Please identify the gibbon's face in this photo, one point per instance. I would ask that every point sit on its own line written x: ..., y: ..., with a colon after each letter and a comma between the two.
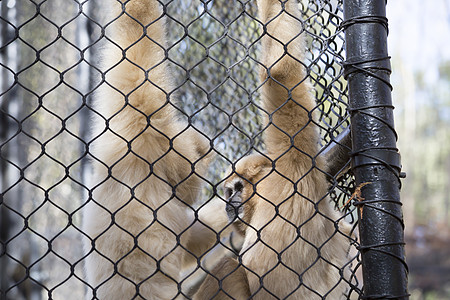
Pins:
x: 233, y: 193
x: 240, y: 190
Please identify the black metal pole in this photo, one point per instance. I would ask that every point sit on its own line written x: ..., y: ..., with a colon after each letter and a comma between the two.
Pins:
x: 376, y: 161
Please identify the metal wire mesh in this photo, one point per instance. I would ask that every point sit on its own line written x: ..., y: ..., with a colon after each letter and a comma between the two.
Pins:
x: 50, y: 70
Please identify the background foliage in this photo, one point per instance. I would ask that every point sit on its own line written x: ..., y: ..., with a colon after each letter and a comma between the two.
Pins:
x: 421, y: 79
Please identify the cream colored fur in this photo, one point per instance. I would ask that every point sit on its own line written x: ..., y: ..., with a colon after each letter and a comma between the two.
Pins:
x: 142, y: 183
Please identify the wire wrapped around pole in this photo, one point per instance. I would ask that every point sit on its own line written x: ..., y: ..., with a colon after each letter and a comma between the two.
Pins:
x: 375, y: 156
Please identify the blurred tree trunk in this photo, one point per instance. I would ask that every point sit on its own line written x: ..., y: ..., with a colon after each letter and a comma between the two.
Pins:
x: 92, y: 30
x: 43, y: 99
x: 4, y: 128
x: 10, y: 271
x: 26, y: 288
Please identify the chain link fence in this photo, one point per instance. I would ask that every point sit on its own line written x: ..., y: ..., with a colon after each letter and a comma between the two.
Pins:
x: 51, y: 70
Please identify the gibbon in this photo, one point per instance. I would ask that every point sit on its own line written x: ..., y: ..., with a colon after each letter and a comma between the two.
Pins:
x: 144, y: 155
x: 295, y: 243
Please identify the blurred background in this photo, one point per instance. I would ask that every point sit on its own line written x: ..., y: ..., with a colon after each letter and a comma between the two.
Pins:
x: 419, y: 44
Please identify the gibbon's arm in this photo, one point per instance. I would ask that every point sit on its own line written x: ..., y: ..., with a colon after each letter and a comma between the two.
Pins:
x: 143, y: 155
x: 336, y: 154
x: 286, y: 92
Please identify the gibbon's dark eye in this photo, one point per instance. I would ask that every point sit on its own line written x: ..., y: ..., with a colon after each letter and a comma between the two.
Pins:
x: 228, y: 193
x: 238, y: 186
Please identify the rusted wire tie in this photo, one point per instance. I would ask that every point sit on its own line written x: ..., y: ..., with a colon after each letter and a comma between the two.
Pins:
x: 357, y: 195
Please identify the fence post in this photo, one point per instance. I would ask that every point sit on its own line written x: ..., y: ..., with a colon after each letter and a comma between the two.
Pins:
x: 376, y: 161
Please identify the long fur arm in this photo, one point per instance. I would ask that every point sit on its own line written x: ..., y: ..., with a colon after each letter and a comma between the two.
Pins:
x: 287, y: 99
x: 143, y: 156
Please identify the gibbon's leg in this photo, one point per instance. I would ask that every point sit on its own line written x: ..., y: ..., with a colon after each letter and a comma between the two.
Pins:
x: 230, y: 276
x: 212, y: 220
x: 143, y: 155
x: 292, y: 245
